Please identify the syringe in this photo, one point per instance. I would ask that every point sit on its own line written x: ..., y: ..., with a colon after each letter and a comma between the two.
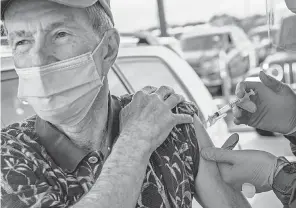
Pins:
x: 222, y: 112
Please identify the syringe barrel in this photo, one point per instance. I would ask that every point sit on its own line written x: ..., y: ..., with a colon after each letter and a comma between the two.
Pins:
x: 224, y: 109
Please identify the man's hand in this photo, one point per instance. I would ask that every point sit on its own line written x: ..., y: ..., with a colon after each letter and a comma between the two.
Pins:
x: 272, y: 108
x: 244, y: 166
x: 149, y: 119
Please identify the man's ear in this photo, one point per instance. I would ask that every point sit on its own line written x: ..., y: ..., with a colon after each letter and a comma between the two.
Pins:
x: 111, y: 49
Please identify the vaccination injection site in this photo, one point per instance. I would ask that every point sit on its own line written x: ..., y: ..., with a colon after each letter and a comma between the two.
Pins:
x: 148, y: 103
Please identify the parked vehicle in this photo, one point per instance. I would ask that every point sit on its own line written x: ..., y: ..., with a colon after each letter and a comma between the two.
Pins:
x: 260, y: 38
x: 202, y: 47
x: 281, y: 64
x: 146, y: 38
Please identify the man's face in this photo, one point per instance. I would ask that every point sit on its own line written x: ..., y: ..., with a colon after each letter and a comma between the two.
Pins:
x: 43, y: 32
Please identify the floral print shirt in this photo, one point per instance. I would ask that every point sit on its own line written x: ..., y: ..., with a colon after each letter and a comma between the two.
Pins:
x: 41, y: 167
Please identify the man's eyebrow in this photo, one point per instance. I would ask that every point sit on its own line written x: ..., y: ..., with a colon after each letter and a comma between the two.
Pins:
x: 23, y: 33
x: 19, y: 33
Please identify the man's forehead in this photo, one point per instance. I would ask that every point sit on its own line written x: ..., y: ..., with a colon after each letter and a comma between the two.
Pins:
x: 29, y: 8
x: 19, y: 32
x: 46, y: 17
x: 23, y: 27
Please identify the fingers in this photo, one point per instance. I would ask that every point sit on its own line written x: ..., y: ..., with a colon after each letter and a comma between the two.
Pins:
x: 182, y: 118
x: 231, y: 142
x: 248, y: 105
x: 220, y: 155
x: 173, y: 100
x: 271, y: 82
x: 241, y: 116
x: 240, y: 89
x: 164, y: 92
x: 246, y: 86
x: 237, y: 112
x: 226, y: 171
x: 149, y: 89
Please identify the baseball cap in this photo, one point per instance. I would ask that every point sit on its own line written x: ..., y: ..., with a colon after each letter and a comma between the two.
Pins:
x: 71, y: 3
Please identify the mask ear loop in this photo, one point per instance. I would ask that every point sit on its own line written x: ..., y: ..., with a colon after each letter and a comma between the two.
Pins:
x: 102, y: 40
x: 97, y: 48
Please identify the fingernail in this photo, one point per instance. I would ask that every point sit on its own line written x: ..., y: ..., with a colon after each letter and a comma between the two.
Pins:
x: 236, y: 121
x: 253, y: 109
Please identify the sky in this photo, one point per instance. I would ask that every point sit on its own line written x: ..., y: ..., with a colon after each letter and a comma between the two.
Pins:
x: 139, y: 14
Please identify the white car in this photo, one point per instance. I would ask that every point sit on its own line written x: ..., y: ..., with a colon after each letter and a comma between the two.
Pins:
x: 135, y: 68
x: 146, y: 38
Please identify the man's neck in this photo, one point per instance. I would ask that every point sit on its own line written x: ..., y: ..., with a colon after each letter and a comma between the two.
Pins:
x: 90, y: 133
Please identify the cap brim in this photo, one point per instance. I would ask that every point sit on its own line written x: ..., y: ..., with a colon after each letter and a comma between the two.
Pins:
x: 71, y: 3
x: 76, y: 3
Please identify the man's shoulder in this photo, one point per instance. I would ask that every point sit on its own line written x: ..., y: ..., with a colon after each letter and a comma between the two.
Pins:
x: 18, y: 136
x: 27, y: 127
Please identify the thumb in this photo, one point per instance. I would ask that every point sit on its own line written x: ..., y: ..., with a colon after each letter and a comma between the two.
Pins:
x: 270, y: 82
x: 219, y: 155
x: 231, y: 142
x: 149, y: 89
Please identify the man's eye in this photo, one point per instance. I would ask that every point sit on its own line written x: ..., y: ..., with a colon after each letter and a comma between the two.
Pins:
x: 61, y: 34
x: 22, y: 42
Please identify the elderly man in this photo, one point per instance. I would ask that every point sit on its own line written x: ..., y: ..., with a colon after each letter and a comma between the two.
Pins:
x: 88, y: 148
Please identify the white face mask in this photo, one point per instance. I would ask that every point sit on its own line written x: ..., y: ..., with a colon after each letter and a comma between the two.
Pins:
x: 63, y: 92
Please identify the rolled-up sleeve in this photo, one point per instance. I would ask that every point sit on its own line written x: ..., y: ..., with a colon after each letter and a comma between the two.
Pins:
x: 292, y: 140
x: 284, y: 185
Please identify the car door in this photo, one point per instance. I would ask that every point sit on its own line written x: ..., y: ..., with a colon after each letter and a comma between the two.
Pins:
x: 157, y: 66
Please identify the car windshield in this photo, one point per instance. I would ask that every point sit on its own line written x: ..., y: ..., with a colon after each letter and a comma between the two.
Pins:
x: 206, y: 42
x: 262, y: 35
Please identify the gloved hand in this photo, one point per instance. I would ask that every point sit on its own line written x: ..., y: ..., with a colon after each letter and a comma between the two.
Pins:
x: 272, y: 108
x: 244, y: 166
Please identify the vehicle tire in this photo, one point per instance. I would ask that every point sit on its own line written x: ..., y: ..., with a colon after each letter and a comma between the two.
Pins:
x: 264, y: 133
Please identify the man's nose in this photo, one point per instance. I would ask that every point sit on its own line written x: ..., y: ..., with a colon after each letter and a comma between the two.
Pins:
x: 42, y: 58
x: 41, y: 54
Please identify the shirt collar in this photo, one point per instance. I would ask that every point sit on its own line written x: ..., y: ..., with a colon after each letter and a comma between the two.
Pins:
x: 63, y: 151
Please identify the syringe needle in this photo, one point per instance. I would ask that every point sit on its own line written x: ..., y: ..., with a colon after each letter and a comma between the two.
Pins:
x: 222, y: 112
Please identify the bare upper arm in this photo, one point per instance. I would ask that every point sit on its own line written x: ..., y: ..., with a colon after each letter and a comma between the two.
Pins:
x: 202, y: 135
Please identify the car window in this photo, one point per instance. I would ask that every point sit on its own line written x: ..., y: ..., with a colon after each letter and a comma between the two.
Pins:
x: 259, y: 36
x: 240, y: 38
x: 143, y: 71
x: 153, y: 71
x: 116, y: 86
x: 205, y: 42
